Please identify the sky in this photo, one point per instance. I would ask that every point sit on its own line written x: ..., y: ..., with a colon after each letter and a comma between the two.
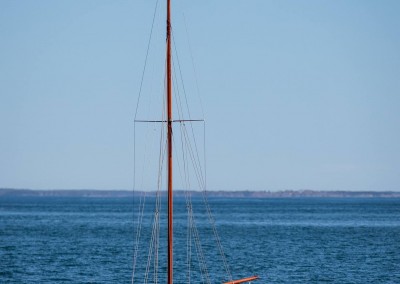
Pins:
x: 296, y: 94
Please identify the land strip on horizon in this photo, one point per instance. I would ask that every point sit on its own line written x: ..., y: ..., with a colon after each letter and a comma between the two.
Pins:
x: 210, y: 193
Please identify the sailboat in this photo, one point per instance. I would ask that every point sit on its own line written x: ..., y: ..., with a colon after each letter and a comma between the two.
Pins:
x: 152, y: 262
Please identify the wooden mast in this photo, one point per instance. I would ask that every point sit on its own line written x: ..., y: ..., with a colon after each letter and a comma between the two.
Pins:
x: 169, y: 138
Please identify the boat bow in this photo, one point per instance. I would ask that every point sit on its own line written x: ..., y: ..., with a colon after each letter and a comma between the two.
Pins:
x: 247, y: 279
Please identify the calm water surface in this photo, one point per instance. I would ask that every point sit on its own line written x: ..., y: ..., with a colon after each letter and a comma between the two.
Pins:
x: 91, y: 240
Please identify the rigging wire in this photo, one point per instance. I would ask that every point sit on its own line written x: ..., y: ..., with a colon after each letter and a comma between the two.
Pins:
x: 199, y: 171
x: 192, y: 229
x: 193, y: 65
x: 188, y: 110
x: 186, y: 147
x: 146, y: 57
x: 186, y: 101
x: 155, y: 235
x: 162, y: 154
x: 142, y: 203
x: 184, y: 177
x: 138, y: 232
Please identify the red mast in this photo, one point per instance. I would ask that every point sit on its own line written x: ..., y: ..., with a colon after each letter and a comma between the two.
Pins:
x: 169, y: 138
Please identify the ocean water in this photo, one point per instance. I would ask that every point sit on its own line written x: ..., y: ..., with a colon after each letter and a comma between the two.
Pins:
x: 91, y: 240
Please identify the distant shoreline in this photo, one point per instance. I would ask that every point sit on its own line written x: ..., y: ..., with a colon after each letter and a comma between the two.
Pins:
x: 220, y: 193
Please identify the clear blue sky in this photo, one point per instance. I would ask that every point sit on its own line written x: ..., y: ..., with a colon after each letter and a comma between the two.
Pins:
x: 297, y: 94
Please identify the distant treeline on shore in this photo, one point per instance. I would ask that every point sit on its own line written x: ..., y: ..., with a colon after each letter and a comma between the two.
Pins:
x: 213, y: 193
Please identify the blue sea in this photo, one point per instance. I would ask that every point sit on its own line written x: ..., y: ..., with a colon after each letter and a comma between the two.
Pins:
x: 299, y: 240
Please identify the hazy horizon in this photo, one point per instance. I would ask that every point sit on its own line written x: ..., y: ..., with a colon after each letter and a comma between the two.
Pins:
x: 180, y: 189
